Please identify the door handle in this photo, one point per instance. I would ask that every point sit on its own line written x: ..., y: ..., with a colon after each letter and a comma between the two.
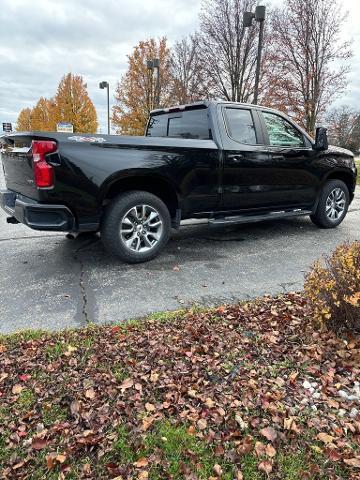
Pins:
x: 278, y: 157
x: 235, y: 159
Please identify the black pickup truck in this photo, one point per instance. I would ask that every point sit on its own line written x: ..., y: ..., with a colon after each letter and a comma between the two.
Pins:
x: 228, y: 162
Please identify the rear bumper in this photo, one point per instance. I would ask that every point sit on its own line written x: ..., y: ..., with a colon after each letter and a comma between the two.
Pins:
x: 35, y: 215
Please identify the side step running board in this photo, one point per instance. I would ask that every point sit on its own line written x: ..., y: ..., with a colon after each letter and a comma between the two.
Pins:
x: 258, y: 218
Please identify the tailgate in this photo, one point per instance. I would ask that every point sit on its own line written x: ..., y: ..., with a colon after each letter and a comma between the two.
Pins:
x: 17, y: 163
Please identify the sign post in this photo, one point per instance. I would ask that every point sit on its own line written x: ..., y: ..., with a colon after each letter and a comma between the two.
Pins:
x: 7, y: 127
x: 65, y: 127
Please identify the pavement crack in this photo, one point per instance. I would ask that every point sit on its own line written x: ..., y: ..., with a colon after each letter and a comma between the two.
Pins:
x: 85, y: 314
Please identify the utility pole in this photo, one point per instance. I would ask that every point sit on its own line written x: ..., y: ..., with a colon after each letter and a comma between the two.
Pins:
x: 104, y: 85
x: 259, y: 16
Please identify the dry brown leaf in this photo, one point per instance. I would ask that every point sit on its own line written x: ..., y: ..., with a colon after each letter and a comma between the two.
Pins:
x: 218, y: 470
x: 147, y: 422
x: 353, y: 462
x: 149, y: 407
x: 141, y: 463
x: 202, y: 424
x: 143, y: 475
x: 128, y: 383
x: 17, y: 389
x: 209, y: 403
x: 90, y: 394
x: 270, y: 450
x: 260, y: 449
x: 324, y: 437
x: 265, y: 466
x: 39, y: 443
x: 269, y: 433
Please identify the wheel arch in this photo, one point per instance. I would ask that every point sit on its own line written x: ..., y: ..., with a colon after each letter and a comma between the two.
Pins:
x: 155, y: 184
x: 345, y: 176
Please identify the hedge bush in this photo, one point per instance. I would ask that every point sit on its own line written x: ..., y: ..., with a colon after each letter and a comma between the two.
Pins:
x: 333, y: 288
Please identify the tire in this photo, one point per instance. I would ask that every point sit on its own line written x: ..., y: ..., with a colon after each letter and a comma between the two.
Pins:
x: 333, y: 205
x: 136, y: 226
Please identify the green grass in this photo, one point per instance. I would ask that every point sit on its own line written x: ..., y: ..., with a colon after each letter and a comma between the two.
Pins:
x: 25, y: 400
x: 175, y: 447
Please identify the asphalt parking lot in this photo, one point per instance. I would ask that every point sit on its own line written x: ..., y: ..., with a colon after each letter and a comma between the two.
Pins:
x: 50, y: 282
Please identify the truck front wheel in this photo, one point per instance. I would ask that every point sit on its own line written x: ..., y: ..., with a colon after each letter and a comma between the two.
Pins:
x: 136, y: 226
x: 333, y: 205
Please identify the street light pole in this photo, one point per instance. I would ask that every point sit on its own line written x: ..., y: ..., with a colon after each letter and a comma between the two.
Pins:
x: 259, y: 15
x: 104, y: 85
x: 154, y: 66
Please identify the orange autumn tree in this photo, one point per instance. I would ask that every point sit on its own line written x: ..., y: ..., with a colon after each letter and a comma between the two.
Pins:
x: 135, y: 94
x: 23, y: 123
x: 73, y: 105
x: 42, y: 116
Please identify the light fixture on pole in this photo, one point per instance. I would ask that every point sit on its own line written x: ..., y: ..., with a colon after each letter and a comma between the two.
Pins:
x: 259, y: 16
x: 102, y: 86
x: 154, y: 65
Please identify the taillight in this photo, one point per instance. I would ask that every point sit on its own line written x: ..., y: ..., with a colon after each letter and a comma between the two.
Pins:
x: 43, y: 172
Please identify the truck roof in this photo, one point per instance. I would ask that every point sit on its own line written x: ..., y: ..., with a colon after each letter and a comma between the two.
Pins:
x: 206, y: 104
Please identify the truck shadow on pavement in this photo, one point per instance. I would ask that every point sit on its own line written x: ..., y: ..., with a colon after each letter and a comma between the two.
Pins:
x: 196, y: 243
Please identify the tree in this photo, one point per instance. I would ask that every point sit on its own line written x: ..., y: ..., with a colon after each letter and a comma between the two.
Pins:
x: 73, y: 105
x: 344, y: 128
x: 42, y: 115
x: 189, y: 81
x: 306, y: 44
x: 228, y: 48
x: 24, y: 121
x: 136, y: 92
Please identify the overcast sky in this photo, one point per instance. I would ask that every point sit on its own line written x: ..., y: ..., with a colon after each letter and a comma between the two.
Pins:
x: 40, y: 40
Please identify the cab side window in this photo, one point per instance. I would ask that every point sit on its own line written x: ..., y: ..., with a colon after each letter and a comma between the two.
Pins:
x: 281, y: 132
x: 240, y: 125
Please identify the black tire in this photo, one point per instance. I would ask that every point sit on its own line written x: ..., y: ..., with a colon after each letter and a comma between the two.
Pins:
x: 320, y: 218
x: 118, y: 211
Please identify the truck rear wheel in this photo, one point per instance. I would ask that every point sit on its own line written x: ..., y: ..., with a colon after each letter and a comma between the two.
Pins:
x: 333, y: 205
x: 136, y: 226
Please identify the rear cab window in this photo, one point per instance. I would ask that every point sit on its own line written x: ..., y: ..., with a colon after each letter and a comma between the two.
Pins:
x: 240, y: 125
x: 192, y: 123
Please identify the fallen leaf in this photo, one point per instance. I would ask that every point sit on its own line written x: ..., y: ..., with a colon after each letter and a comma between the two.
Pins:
x: 75, y: 407
x: 265, y: 466
x: 149, y: 407
x: 353, y: 462
x: 324, y: 437
x: 143, y: 475
x: 209, y: 403
x: 141, y: 463
x: 17, y: 389
x: 128, y: 383
x: 270, y: 450
x: 218, y: 470
x: 239, y: 420
x: 90, y: 393
x: 39, y: 443
x: 147, y: 422
x: 202, y: 424
x: 260, y: 449
x: 269, y: 433
x: 61, y: 458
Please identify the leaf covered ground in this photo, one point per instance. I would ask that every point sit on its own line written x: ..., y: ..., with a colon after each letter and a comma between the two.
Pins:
x: 248, y: 391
